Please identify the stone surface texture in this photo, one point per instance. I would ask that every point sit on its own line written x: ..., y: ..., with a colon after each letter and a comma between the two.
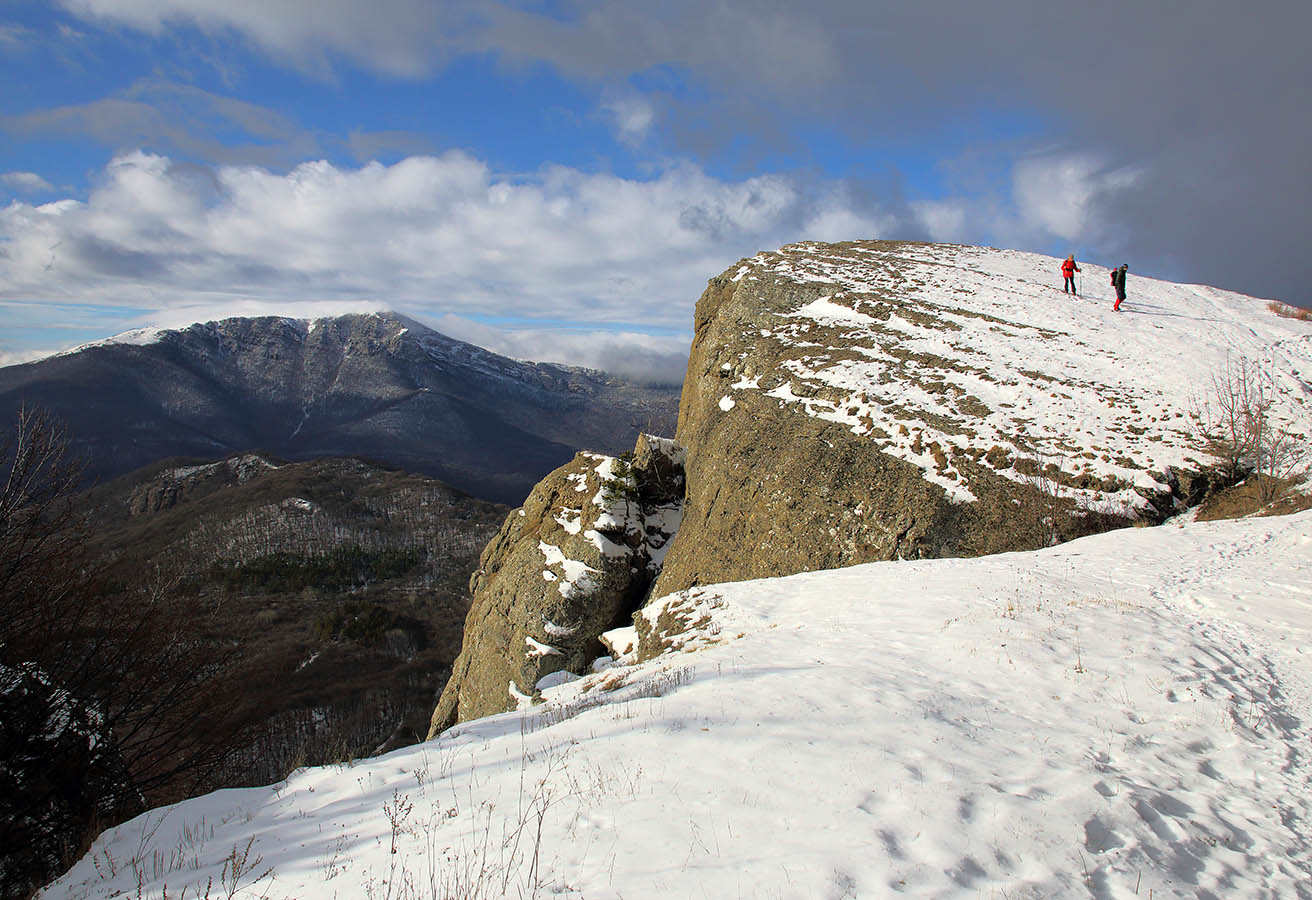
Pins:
x: 573, y: 562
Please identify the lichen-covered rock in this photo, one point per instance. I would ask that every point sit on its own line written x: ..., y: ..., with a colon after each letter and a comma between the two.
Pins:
x: 865, y: 401
x: 575, y: 561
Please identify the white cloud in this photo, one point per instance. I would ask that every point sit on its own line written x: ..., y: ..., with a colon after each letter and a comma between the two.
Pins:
x: 17, y: 357
x: 661, y: 358
x: 13, y: 37
x: 1059, y: 193
x: 631, y: 116
x: 582, y: 266
x: 944, y: 220
x: 400, y: 37
x: 26, y: 182
x: 836, y: 218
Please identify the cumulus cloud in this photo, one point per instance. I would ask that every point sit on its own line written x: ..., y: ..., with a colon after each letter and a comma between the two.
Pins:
x: 1204, y: 103
x: 581, y: 268
x: 441, y: 231
x: 26, y: 183
x: 586, y: 269
x: 1067, y: 195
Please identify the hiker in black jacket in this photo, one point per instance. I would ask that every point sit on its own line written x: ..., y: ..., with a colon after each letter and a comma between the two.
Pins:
x: 1118, y: 282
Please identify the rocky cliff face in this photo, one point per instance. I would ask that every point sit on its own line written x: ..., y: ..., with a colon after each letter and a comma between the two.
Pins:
x: 573, y: 562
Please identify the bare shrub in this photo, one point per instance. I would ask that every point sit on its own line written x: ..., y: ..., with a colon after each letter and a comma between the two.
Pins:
x: 1041, y: 510
x: 1235, y: 425
x: 1289, y: 312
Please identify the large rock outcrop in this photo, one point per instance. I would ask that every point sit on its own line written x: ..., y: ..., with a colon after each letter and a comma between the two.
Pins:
x: 573, y: 562
x: 855, y: 402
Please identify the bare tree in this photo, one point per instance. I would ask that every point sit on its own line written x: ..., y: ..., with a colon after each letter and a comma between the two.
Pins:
x: 1281, y: 458
x: 112, y: 684
x: 1238, y: 399
x: 1235, y: 423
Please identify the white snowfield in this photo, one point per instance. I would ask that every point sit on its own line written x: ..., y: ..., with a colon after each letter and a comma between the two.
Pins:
x: 1126, y: 715
x: 982, y: 349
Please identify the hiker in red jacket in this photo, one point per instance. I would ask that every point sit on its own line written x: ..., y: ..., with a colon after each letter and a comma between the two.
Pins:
x: 1068, y: 269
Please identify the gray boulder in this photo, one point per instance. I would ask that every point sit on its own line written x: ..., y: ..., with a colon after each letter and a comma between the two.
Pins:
x: 573, y: 562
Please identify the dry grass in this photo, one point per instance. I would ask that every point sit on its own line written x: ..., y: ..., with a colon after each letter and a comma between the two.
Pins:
x: 1289, y: 312
x: 1246, y: 499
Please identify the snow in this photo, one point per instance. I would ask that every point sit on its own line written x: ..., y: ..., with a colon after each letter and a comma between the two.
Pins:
x: 182, y: 473
x: 570, y: 520
x: 727, y: 403
x: 615, y: 513
x: 537, y: 649
x: 555, y: 679
x: 1125, y: 715
x: 978, y: 348
x: 621, y: 642
x: 522, y: 701
x: 660, y: 524
x: 137, y: 337
x: 668, y: 447
x: 576, y: 577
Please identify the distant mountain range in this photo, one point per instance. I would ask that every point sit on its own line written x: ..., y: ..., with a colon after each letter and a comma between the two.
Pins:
x: 380, y: 386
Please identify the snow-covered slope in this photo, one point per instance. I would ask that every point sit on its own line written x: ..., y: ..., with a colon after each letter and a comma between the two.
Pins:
x: 1126, y: 715
x: 983, y: 350
x: 862, y: 401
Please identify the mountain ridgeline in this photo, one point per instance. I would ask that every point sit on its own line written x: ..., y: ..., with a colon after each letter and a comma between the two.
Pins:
x: 379, y: 386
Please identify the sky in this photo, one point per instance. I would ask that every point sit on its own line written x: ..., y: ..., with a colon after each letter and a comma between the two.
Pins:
x: 557, y: 179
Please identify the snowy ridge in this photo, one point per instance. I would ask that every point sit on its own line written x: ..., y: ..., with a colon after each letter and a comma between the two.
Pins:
x: 137, y: 337
x: 439, y: 347
x: 1124, y: 715
x: 993, y: 364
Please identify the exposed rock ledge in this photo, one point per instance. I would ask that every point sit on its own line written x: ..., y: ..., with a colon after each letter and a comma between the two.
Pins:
x: 856, y: 402
x: 573, y: 562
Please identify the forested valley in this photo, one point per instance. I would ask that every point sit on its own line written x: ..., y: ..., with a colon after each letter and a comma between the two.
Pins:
x: 205, y: 624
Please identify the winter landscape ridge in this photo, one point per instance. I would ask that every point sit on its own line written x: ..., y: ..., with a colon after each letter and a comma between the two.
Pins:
x: 378, y: 385
x: 1121, y: 715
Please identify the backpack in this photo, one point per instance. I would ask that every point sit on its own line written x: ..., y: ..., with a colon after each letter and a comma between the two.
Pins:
x: 1113, y: 278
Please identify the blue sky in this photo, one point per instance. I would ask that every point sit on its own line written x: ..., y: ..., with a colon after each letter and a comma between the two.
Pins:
x: 559, y: 179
